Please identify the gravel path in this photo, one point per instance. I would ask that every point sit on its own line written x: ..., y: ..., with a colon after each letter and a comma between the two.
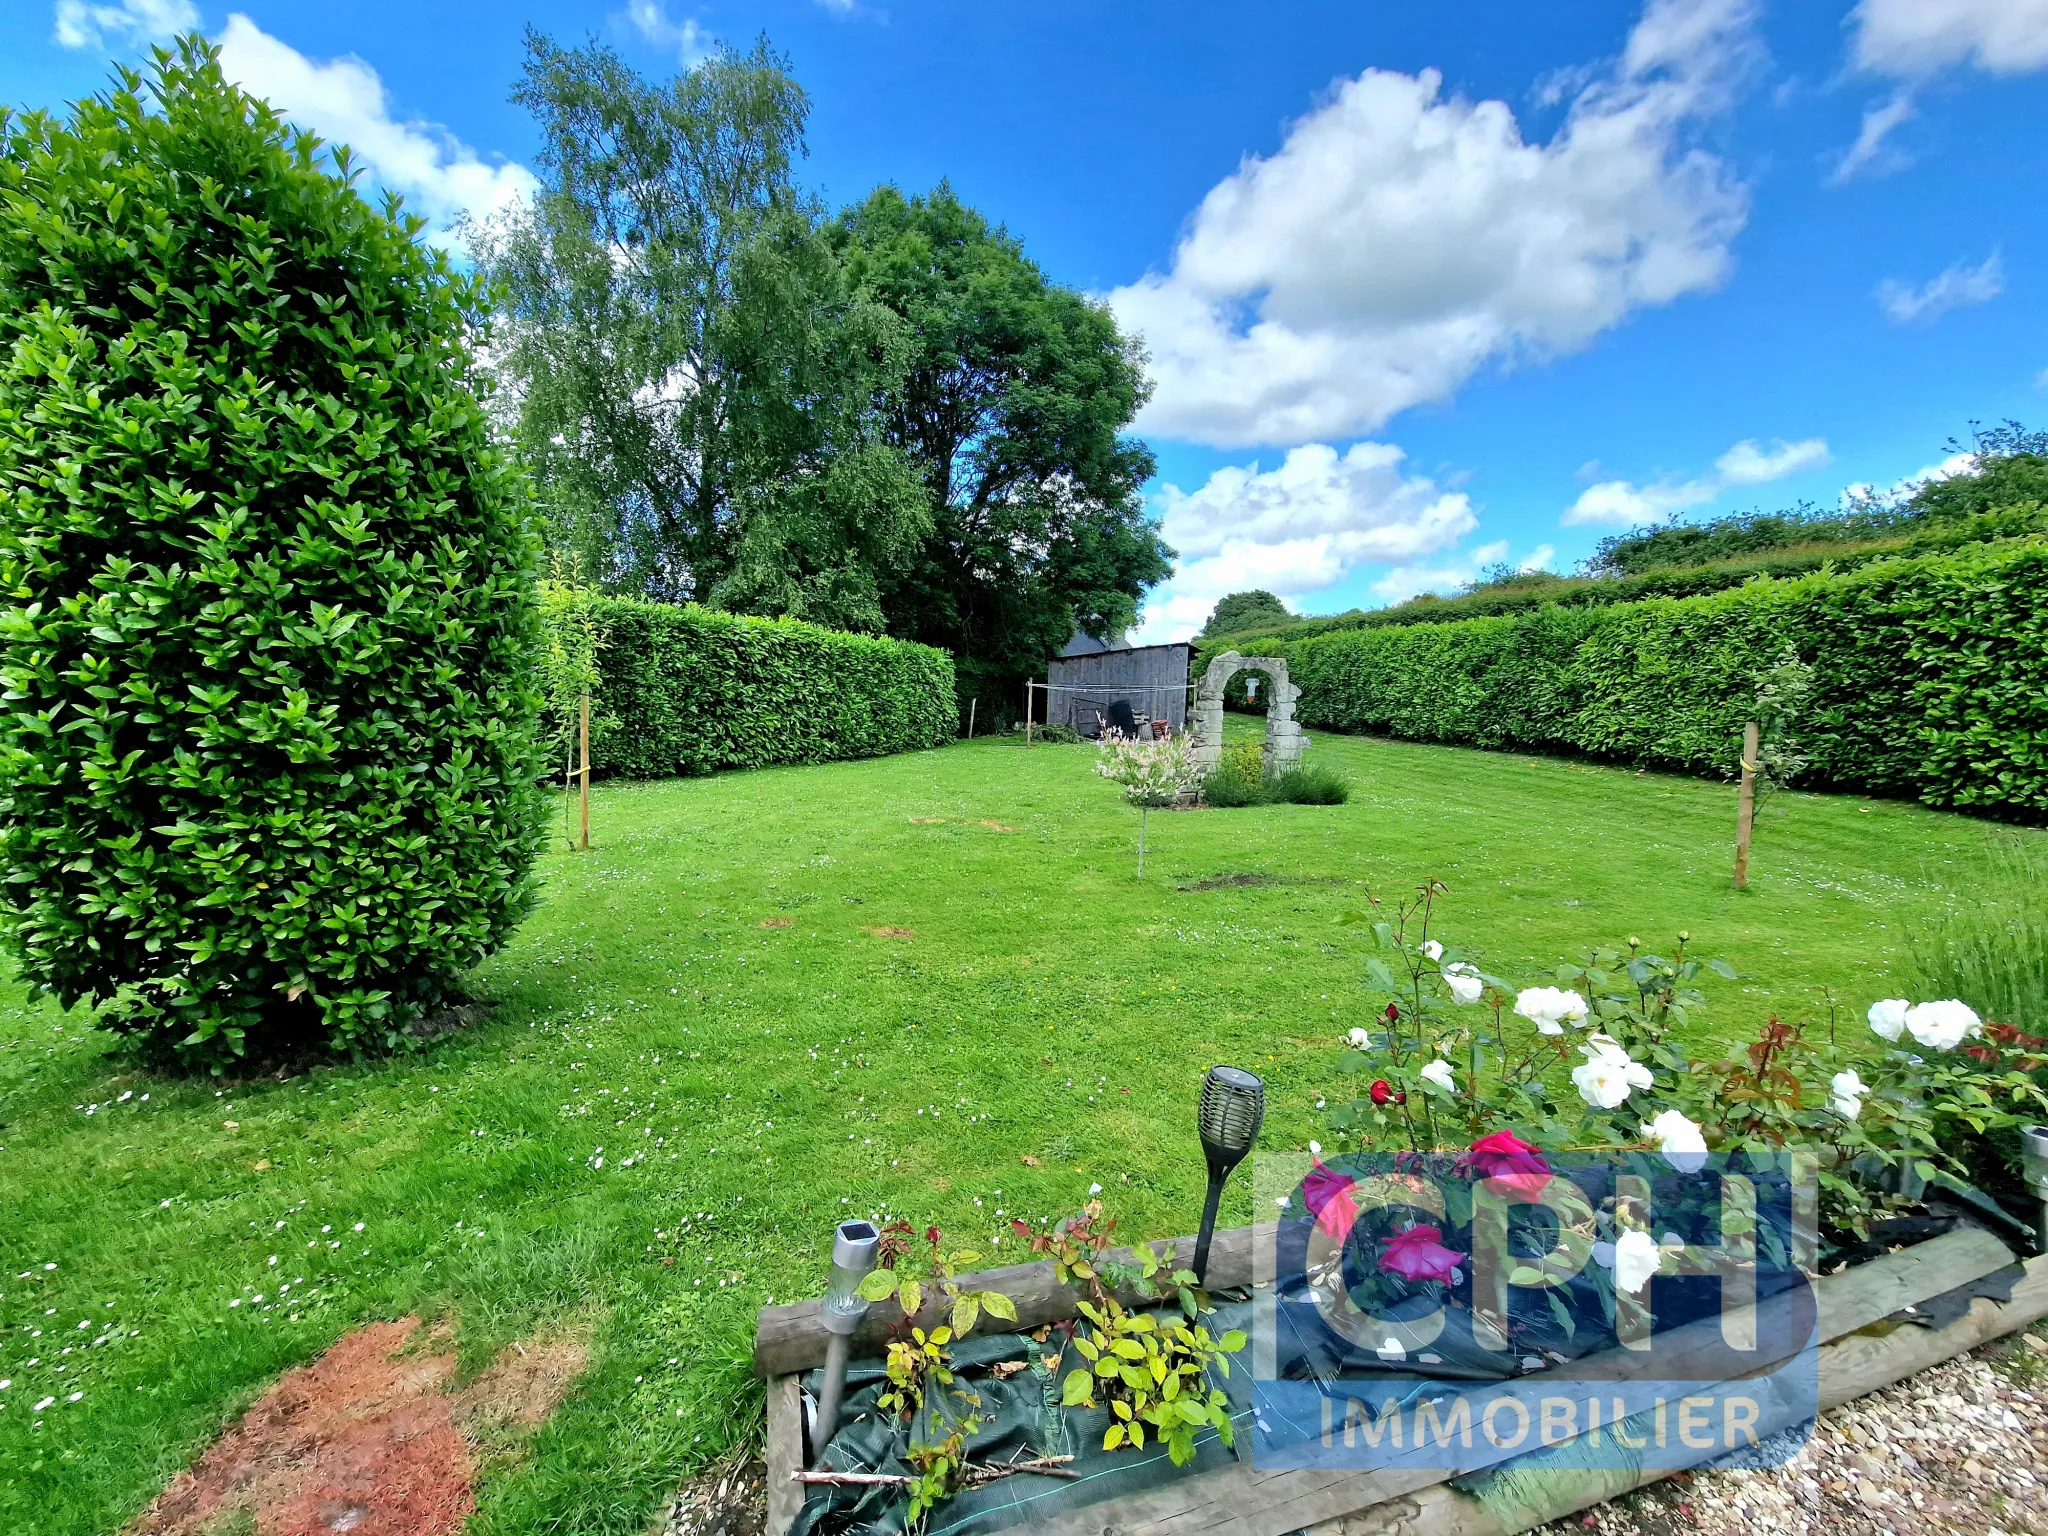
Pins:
x: 1961, y: 1450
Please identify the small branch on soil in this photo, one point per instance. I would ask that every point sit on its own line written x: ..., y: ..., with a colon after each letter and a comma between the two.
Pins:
x: 974, y: 1476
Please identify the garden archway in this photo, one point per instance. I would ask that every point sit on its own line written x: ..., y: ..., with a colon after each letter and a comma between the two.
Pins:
x: 1284, y: 741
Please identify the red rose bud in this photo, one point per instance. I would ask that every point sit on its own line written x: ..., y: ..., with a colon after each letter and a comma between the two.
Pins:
x: 1381, y: 1090
x: 1393, y: 1012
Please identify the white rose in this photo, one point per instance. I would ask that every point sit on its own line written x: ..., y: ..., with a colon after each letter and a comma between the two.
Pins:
x: 1431, y: 950
x: 1636, y: 1257
x: 1942, y: 1026
x: 1680, y: 1140
x: 1439, y: 1072
x: 1550, y: 1009
x: 1849, y: 1092
x: 1361, y: 1040
x: 1464, y: 982
x: 1607, y: 1076
x: 1888, y: 1016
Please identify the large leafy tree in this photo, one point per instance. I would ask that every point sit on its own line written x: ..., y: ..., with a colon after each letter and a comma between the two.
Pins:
x: 697, y: 386
x: 1013, y: 406
x: 1245, y: 610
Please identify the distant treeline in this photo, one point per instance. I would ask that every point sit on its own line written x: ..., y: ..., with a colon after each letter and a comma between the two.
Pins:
x: 2005, y: 495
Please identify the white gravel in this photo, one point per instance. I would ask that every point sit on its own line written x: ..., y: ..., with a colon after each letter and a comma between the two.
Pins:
x: 1960, y: 1449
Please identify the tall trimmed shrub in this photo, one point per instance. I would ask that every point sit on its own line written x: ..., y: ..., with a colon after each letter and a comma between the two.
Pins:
x: 267, y: 615
x: 685, y: 690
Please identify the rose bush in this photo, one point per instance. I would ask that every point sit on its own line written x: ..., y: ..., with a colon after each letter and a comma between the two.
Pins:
x: 1599, y: 1062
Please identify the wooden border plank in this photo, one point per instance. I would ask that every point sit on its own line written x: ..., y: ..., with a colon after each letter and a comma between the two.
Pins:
x: 785, y: 1453
x: 1241, y: 1500
x: 791, y: 1338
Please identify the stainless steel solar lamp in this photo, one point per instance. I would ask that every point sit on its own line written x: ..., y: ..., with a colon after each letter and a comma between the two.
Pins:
x: 2034, y: 1166
x: 1232, y: 1108
x: 853, y: 1256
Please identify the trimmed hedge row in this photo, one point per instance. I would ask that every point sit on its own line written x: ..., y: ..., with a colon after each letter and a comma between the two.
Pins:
x: 687, y: 690
x: 1930, y: 677
x: 1677, y: 581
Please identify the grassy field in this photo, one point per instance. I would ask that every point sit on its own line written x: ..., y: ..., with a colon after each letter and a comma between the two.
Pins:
x: 927, y: 985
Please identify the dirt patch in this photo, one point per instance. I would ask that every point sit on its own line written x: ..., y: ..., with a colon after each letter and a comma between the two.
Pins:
x: 1239, y: 882
x: 997, y: 826
x: 926, y: 821
x: 368, y: 1440
x: 778, y: 922
x: 892, y: 933
x: 729, y: 1500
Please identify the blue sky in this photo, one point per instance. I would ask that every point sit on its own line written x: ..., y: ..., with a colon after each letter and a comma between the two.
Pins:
x: 1425, y: 286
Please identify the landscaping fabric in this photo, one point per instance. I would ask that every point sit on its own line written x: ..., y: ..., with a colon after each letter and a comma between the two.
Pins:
x: 1021, y: 1419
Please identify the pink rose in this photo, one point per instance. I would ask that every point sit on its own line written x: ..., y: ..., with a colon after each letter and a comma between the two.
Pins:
x: 1505, y: 1156
x: 1417, y: 1254
x: 1327, y: 1194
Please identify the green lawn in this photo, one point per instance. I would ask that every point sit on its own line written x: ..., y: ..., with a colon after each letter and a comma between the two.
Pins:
x: 747, y: 1086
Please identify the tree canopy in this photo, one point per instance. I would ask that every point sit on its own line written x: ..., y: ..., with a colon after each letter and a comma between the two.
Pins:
x: 891, y: 421
x: 698, y: 387
x: 1013, y: 408
x: 1245, y: 610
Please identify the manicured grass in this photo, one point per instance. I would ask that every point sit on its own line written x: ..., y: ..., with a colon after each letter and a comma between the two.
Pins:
x: 715, y: 1003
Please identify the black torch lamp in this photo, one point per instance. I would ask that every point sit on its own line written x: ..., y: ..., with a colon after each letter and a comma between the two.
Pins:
x: 1233, y: 1105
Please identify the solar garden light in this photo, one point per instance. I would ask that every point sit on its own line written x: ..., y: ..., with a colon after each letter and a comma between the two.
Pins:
x: 853, y: 1255
x: 1233, y: 1105
x: 2034, y: 1164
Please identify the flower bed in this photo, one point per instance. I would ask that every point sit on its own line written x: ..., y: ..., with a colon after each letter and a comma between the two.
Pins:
x: 1536, y: 1193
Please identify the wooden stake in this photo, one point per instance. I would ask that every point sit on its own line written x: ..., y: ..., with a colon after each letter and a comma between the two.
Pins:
x: 1027, y: 711
x: 1745, y: 805
x: 583, y: 736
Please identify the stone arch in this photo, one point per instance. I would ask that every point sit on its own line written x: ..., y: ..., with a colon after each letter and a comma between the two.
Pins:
x: 1284, y: 740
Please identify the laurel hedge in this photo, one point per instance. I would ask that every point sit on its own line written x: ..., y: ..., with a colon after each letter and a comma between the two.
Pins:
x: 689, y: 690
x: 1930, y: 677
x: 1944, y: 537
x: 267, y: 616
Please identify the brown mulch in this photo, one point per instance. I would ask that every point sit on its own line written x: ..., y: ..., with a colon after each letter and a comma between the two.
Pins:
x: 368, y: 1440
x: 1959, y: 1450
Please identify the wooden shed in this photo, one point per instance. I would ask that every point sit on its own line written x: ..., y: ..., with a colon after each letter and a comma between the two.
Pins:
x: 1152, y: 679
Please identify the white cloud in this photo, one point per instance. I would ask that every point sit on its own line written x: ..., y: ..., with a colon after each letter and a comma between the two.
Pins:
x: 1298, y: 528
x: 1905, y: 485
x: 1958, y: 286
x: 1911, y: 39
x: 82, y: 25
x: 344, y: 102
x: 1626, y: 504
x: 1868, y: 153
x: 1398, y: 241
x: 692, y: 44
x: 1750, y: 463
x: 1448, y: 576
